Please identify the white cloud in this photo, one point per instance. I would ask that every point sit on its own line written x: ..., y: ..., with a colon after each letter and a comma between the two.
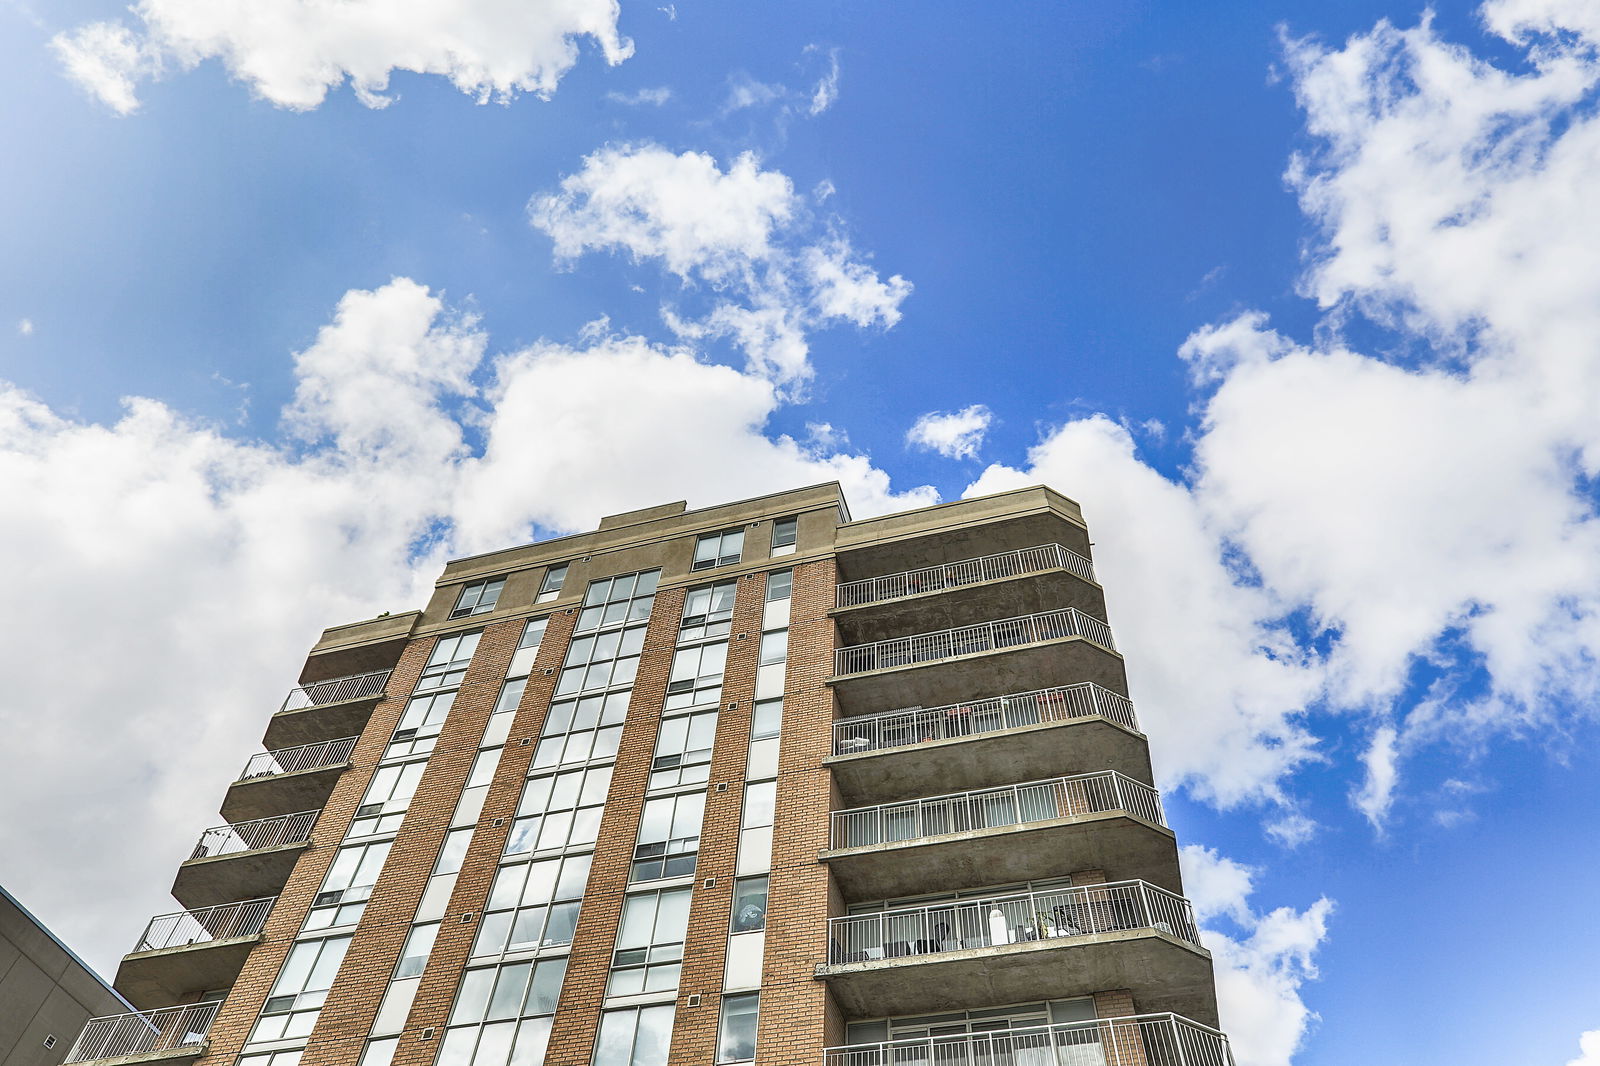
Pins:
x: 826, y: 92
x: 772, y: 270
x: 1382, y: 762
x: 746, y: 92
x: 655, y: 97
x: 954, y: 434
x: 166, y: 548
x: 25, y: 327
x: 1588, y: 1049
x: 1263, y: 965
x: 292, y: 52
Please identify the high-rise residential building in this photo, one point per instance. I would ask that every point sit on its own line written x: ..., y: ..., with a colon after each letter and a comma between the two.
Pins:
x: 46, y: 991
x: 753, y: 783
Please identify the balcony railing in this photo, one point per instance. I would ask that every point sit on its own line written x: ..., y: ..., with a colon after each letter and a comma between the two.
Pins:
x: 970, y: 640
x: 336, y: 690
x: 898, y: 729
x: 262, y: 833
x: 222, y: 922
x: 293, y: 760
x: 167, y: 1029
x: 965, y: 572
x: 1147, y: 1039
x: 1029, y: 916
x: 960, y: 812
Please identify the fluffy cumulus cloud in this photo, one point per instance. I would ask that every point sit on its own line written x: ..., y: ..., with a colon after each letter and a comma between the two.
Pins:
x: 1262, y: 960
x: 1588, y: 1049
x: 955, y: 434
x: 167, y: 549
x: 769, y: 269
x: 292, y: 52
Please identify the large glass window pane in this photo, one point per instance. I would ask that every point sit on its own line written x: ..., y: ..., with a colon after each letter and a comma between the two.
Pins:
x: 736, y: 1036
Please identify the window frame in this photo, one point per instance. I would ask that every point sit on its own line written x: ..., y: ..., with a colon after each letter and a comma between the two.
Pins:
x: 478, y: 597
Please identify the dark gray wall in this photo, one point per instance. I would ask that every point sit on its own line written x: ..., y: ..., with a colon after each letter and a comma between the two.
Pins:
x: 44, y: 991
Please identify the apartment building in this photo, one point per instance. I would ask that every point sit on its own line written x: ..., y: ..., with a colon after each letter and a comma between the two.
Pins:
x: 753, y: 783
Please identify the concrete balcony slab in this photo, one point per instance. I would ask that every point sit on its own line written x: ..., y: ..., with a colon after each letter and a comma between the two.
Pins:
x: 152, y: 979
x: 270, y: 794
x: 206, y: 882
x: 968, y: 604
x: 327, y: 721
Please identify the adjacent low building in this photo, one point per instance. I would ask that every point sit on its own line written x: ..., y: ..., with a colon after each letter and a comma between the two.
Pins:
x: 46, y: 992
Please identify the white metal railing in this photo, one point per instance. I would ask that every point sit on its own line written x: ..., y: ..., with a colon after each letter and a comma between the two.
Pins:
x: 222, y: 922
x: 970, y: 640
x: 898, y: 729
x: 293, y: 760
x: 271, y: 832
x: 1142, y: 1039
x: 960, y: 812
x: 964, y: 572
x: 1026, y: 916
x: 143, y: 1031
x: 336, y: 690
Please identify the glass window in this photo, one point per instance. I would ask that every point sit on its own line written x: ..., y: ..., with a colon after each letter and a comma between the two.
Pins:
x: 669, y: 837
x: 384, y: 806
x: 550, y: 587
x: 448, y: 663
x: 683, y: 750
x: 637, y: 1036
x: 718, y: 549
x: 414, y: 955
x: 601, y: 660
x: 581, y: 730
x: 478, y: 598
x: 774, y: 647
x: 649, y: 948
x: 736, y: 1036
x: 696, y: 677
x: 784, y: 532
x: 615, y: 600
x: 302, y: 985
x: 418, y: 728
x: 502, y: 1014
x: 527, y: 647
x: 347, y: 885
x: 282, y: 1058
x: 758, y: 803
x: 766, y: 719
x: 780, y: 585
x: 708, y: 611
x: 377, y: 1053
x: 559, y: 810
x: 533, y: 904
x: 750, y: 904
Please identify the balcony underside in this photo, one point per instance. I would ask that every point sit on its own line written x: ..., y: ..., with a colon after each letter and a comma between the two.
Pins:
x: 956, y: 764
x: 273, y: 794
x: 1121, y: 846
x: 327, y: 721
x: 177, y: 1054
x: 152, y: 979
x: 241, y: 875
x: 906, y: 542
x: 966, y: 605
x: 972, y: 677
x: 1164, y: 973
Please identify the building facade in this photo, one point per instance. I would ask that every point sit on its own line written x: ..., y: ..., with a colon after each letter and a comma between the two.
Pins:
x: 753, y: 783
x: 46, y: 991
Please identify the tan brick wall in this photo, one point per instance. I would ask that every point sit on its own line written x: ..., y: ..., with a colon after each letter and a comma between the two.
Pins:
x: 798, y: 1016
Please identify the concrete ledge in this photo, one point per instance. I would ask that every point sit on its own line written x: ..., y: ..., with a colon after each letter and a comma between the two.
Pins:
x: 153, y: 979
x: 177, y: 1054
x: 1023, y: 753
x: 325, y: 721
x: 1166, y: 974
x: 965, y: 605
x: 270, y: 794
x: 1123, y: 846
x: 241, y: 875
x: 973, y: 677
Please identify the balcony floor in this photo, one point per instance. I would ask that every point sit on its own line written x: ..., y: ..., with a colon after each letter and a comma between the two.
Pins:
x: 241, y: 875
x: 162, y: 978
x: 272, y: 794
x: 1164, y: 973
x: 965, y: 605
x: 180, y: 1054
x: 957, y: 764
x: 325, y: 721
x: 1120, y: 845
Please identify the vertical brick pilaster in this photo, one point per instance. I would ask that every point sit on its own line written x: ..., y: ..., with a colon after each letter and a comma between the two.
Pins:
x: 1123, y: 1046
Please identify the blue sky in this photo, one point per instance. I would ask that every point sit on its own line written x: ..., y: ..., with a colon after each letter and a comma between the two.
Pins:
x: 1300, y: 301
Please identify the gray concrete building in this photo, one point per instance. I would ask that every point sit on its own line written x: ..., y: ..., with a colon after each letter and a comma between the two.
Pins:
x: 46, y: 992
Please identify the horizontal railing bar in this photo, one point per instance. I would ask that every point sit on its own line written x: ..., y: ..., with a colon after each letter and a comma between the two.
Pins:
x: 913, y: 725
x: 971, y: 640
x: 271, y: 832
x: 225, y: 921
x: 336, y: 690
x: 316, y: 756
x: 141, y: 1032
x: 944, y: 576
x: 1149, y: 1039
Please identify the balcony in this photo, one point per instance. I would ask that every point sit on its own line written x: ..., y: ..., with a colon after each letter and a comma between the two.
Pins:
x: 1023, y: 832
x: 248, y: 860
x: 190, y: 951
x: 1036, y: 579
x: 1038, y: 945
x: 1137, y: 1040
x: 326, y: 710
x: 967, y: 745
x: 289, y: 779
x: 1053, y: 647
x: 145, y: 1036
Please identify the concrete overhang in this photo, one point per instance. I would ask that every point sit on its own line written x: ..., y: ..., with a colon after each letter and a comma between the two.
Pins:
x: 1164, y: 973
x: 965, y: 605
x: 1024, y: 753
x: 187, y: 1053
x: 1115, y: 842
x: 359, y: 647
x: 972, y: 677
x: 241, y: 875
x: 324, y: 721
x: 270, y: 794
x: 152, y: 979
